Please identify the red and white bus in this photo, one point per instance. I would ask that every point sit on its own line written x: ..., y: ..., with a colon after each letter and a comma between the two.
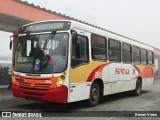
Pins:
x: 68, y: 61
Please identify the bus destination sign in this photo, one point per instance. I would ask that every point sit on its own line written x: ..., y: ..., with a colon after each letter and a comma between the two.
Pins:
x: 46, y: 26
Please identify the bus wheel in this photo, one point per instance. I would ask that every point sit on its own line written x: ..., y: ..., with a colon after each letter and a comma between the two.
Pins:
x: 94, y: 95
x: 138, y: 88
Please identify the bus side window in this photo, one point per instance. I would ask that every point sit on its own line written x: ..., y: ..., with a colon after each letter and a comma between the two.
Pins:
x: 114, y: 50
x: 99, y: 47
x: 150, y: 57
x: 144, y: 57
x: 126, y: 53
x: 80, y: 51
x: 136, y: 55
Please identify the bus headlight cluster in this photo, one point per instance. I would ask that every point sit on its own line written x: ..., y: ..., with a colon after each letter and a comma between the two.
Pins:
x: 14, y: 80
x: 60, y: 81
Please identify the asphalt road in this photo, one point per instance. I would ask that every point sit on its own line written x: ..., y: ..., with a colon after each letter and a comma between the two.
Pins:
x: 111, y: 106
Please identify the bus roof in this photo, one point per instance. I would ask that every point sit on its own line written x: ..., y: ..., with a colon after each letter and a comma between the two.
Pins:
x: 101, y: 31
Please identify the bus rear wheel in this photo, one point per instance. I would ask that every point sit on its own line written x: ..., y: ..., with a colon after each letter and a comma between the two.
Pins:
x: 138, y: 87
x: 94, y: 96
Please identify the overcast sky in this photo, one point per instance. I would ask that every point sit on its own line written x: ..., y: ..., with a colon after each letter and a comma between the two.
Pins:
x: 137, y: 19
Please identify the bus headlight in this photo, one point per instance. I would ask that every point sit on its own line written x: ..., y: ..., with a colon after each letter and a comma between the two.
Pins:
x: 60, y: 81
x: 14, y: 81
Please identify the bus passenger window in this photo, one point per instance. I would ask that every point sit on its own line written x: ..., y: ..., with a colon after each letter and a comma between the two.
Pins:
x: 136, y: 55
x: 114, y: 50
x: 150, y: 57
x: 144, y: 57
x: 126, y: 53
x: 80, y: 51
x: 99, y: 47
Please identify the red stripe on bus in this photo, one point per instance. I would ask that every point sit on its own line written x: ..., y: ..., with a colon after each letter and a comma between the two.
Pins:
x: 91, y: 76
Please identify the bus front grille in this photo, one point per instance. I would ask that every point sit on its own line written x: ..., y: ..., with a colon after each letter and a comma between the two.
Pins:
x: 34, y: 86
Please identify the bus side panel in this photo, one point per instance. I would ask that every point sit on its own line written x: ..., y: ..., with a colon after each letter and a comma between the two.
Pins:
x: 79, y: 91
x: 121, y: 77
x: 81, y: 78
x: 116, y: 77
x: 147, y: 81
x: 147, y: 74
x: 110, y: 87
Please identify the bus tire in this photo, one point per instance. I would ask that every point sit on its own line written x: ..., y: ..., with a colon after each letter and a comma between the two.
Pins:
x: 138, y: 87
x: 94, y: 96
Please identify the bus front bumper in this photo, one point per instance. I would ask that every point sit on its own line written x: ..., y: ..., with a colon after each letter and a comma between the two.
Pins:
x: 59, y: 95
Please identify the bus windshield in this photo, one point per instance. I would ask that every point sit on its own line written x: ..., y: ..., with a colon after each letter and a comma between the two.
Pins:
x: 43, y: 53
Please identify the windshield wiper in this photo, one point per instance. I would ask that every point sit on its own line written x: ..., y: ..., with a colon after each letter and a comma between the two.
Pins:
x: 46, y: 57
x: 46, y: 41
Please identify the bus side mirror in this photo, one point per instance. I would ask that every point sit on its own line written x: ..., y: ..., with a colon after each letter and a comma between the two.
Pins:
x: 74, y: 34
x: 10, y: 45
